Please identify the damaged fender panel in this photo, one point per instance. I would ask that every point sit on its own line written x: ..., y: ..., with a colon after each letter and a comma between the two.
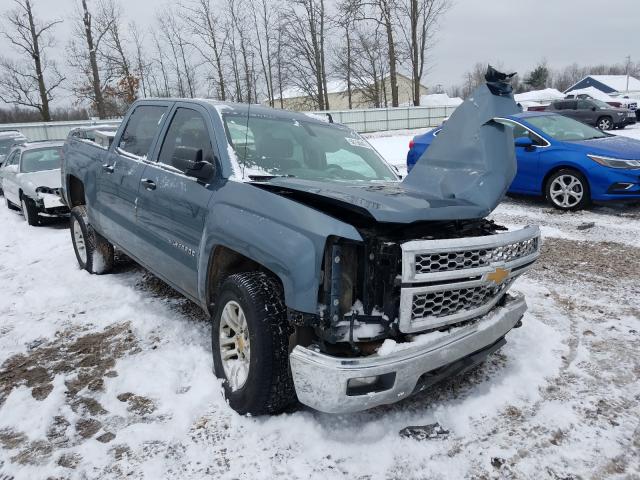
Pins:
x: 473, y: 157
x: 285, y: 237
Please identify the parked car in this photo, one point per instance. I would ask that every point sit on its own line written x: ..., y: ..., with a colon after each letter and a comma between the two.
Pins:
x: 568, y: 162
x: 31, y: 180
x: 305, y: 248
x: 8, y: 139
x: 593, y: 112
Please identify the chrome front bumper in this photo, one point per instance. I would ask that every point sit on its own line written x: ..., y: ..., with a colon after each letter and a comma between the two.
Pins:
x: 321, y: 381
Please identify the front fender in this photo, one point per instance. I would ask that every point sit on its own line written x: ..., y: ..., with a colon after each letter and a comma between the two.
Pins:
x: 285, y: 237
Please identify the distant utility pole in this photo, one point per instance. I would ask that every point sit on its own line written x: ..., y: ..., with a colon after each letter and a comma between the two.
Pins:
x: 628, y: 68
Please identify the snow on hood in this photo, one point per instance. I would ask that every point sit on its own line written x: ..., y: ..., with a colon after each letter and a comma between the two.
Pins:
x: 44, y: 178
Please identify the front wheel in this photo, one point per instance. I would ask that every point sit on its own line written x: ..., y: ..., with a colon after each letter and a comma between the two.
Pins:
x: 10, y: 205
x: 250, y: 338
x: 605, y: 123
x: 93, y: 252
x: 568, y: 189
x: 29, y: 211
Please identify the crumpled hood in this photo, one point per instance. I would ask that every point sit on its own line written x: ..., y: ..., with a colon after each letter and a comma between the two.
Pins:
x: 615, y: 147
x: 472, y: 160
x: 45, y: 178
x: 384, y: 201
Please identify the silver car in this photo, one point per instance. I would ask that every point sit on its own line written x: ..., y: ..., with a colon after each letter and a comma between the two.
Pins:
x: 30, y: 178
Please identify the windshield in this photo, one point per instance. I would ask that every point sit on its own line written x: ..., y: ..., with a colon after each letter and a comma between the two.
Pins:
x: 564, y: 129
x: 41, y: 159
x: 268, y: 146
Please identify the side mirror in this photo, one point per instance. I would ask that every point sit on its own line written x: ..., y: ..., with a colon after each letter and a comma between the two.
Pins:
x: 190, y: 161
x: 593, y: 109
x: 524, y: 142
x: 202, y: 170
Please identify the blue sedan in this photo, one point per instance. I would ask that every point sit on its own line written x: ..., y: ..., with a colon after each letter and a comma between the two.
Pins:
x: 568, y: 162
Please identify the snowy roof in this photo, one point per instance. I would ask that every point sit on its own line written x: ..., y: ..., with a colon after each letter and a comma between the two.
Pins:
x: 436, y: 100
x: 333, y: 86
x: 545, y: 95
x: 618, y: 82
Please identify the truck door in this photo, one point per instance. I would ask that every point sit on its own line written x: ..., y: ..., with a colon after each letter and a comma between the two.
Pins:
x: 121, y: 171
x: 172, y: 207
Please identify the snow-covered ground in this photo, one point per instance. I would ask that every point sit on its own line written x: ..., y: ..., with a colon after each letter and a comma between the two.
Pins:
x: 110, y: 376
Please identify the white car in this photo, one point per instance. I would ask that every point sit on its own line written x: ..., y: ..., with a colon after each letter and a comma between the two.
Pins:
x: 31, y: 180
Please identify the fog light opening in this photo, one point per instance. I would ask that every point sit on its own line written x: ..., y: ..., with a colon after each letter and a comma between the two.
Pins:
x: 372, y: 384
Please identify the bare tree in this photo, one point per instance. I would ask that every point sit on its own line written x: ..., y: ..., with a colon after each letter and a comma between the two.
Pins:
x: 385, y: 13
x: 142, y: 65
x: 345, y: 20
x: 265, y: 16
x: 199, y: 15
x: 32, y: 82
x: 418, y: 20
x: 83, y: 53
x: 370, y: 67
x: 126, y: 86
x: 304, y: 37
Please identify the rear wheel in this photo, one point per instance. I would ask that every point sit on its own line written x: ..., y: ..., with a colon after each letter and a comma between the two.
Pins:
x: 250, y: 338
x: 29, y: 211
x: 94, y: 253
x: 605, y: 123
x: 568, y: 189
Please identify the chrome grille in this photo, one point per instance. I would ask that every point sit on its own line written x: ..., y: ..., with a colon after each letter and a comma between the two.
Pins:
x: 452, y: 280
x: 450, y: 302
x: 462, y: 259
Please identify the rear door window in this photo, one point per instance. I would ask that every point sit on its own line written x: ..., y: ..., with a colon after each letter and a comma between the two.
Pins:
x: 142, y: 126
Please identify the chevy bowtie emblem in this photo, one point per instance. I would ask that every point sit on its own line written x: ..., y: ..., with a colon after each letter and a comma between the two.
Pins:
x: 498, y: 276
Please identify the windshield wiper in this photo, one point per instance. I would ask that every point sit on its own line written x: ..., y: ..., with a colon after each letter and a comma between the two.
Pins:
x: 264, y: 178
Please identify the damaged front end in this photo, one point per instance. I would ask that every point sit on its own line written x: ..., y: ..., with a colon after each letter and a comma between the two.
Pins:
x: 416, y: 302
x: 400, y: 315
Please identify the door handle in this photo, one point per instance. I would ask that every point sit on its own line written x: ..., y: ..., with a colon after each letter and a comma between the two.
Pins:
x: 148, y: 184
x: 107, y: 168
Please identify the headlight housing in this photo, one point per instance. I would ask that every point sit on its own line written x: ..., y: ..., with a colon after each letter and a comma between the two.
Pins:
x: 615, y: 162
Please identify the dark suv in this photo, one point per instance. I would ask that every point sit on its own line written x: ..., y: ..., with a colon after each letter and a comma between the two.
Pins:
x: 594, y: 112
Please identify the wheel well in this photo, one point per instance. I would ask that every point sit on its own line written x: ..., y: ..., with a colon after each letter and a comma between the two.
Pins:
x: 557, y: 169
x: 76, y: 191
x: 224, y: 262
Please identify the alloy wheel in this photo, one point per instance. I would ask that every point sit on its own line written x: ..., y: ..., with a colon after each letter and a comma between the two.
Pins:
x: 78, y: 240
x: 566, y: 191
x: 235, y: 346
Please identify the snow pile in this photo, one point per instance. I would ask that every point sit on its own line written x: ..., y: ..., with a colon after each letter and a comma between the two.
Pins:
x: 542, y: 96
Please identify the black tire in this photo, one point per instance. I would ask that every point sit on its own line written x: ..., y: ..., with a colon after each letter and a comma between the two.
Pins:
x: 605, y: 123
x: 10, y: 205
x: 98, y: 252
x: 29, y: 211
x: 268, y: 388
x: 555, y: 201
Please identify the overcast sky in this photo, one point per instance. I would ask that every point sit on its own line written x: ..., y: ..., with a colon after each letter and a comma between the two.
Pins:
x: 513, y: 33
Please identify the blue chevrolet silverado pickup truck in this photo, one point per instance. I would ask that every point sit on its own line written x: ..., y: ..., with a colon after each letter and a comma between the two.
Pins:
x: 329, y: 280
